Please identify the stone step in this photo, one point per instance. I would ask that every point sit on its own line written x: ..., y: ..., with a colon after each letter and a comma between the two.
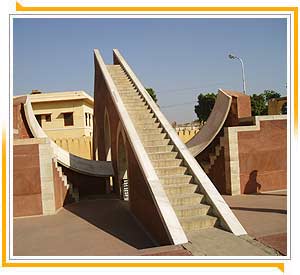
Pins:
x: 154, y: 136
x: 212, y: 158
x: 152, y: 129
x: 222, y: 141
x: 205, y: 166
x: 182, y: 188
x: 186, y: 199
x: 140, y: 119
x: 218, y: 149
x: 158, y: 142
x: 163, y: 148
x: 191, y: 210
x: 122, y: 80
x: 59, y: 169
x: 132, y: 101
x: 116, y: 71
x: 162, y: 156
x: 126, y: 85
x: 172, y: 170
x: 131, y: 105
x: 166, y: 162
x: 150, y: 125
x: 176, y: 179
x: 65, y: 180
x: 135, y: 105
x: 139, y: 108
x: 130, y: 91
x: 197, y: 222
x: 140, y: 115
x: 121, y: 76
x: 117, y: 74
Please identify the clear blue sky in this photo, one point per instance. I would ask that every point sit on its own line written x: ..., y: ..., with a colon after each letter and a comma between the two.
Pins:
x: 179, y: 58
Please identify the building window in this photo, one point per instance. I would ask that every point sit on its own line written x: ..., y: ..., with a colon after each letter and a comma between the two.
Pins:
x: 86, y: 119
x: 48, y: 118
x: 89, y: 119
x: 68, y: 119
x: 39, y: 119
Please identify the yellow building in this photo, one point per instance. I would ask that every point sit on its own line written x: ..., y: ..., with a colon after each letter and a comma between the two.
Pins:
x: 187, y: 130
x: 67, y: 118
x: 64, y: 114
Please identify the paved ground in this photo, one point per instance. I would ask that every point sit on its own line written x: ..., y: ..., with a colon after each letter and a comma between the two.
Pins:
x: 264, y: 216
x: 106, y: 227
x: 91, y: 227
x: 217, y: 242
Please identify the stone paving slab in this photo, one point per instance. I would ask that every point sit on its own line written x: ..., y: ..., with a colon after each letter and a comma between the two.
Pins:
x: 264, y: 216
x: 277, y: 241
x: 217, y: 242
x: 92, y: 227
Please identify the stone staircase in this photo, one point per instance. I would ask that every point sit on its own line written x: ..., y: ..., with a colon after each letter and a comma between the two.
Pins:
x: 189, y: 204
x: 68, y: 186
x: 208, y: 164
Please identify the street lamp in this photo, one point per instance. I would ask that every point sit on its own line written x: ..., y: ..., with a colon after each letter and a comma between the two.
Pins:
x: 231, y: 56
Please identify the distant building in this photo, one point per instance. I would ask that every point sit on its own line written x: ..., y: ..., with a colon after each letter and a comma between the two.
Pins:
x: 67, y: 118
x: 187, y: 130
x: 277, y: 106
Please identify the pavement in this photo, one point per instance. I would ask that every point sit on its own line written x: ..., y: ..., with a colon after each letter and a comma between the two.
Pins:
x: 217, y: 242
x: 264, y: 217
x: 91, y: 227
x: 105, y: 226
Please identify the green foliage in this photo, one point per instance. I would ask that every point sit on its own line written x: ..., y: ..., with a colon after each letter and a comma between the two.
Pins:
x: 268, y: 94
x: 205, y: 105
x: 152, y: 93
x: 259, y: 103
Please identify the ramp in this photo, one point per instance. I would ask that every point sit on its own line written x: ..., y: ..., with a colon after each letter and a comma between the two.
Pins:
x: 181, y: 189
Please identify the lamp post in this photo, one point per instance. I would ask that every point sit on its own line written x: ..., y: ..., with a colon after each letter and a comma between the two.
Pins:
x: 231, y: 56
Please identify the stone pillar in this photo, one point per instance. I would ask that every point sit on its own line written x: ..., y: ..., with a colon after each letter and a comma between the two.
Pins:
x: 47, y: 180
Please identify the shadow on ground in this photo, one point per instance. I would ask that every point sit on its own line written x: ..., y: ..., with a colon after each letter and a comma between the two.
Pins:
x: 114, y: 217
x: 279, y: 211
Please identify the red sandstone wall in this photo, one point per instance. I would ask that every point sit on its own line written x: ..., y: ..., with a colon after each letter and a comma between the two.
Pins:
x: 240, y: 108
x: 27, y: 182
x: 263, y: 157
x: 141, y: 202
x: 217, y: 173
x: 19, y: 120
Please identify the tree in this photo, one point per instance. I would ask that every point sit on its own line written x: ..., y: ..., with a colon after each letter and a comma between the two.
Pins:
x: 259, y: 103
x: 152, y: 93
x: 268, y: 94
x: 205, y: 105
